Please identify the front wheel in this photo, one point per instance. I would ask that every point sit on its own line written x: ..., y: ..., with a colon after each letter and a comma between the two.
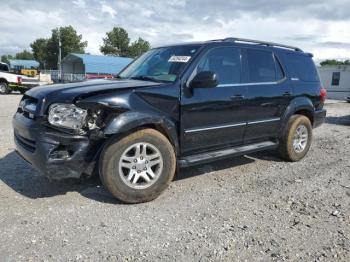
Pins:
x: 138, y: 167
x: 4, y: 88
x: 296, y: 140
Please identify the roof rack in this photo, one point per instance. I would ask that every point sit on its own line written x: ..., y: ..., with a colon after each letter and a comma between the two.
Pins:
x: 243, y: 40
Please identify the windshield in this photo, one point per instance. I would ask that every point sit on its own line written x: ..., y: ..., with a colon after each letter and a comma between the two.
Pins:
x: 160, y: 64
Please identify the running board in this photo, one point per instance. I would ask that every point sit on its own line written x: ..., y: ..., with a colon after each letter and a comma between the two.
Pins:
x: 228, y: 152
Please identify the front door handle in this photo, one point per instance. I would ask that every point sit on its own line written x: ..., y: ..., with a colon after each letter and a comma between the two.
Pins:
x: 287, y: 93
x: 237, y: 97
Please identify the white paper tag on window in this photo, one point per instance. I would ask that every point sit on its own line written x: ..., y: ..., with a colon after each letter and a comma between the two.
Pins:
x: 179, y: 59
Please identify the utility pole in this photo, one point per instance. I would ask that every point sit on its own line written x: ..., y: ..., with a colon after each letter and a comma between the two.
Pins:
x: 59, y: 56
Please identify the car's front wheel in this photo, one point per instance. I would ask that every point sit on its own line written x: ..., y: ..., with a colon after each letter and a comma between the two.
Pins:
x: 296, y: 140
x: 138, y: 167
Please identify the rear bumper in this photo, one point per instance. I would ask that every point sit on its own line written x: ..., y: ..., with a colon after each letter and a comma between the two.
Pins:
x: 55, y: 154
x: 319, y: 117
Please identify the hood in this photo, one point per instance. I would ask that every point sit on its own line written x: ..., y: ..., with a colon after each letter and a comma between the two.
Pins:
x: 67, y: 93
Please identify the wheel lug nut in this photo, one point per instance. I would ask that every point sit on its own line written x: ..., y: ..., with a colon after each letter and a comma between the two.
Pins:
x: 145, y: 168
x: 135, y: 160
x: 146, y: 162
x: 141, y: 157
x: 134, y: 167
x: 138, y: 171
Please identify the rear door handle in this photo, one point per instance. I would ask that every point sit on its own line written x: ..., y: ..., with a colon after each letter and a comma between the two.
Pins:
x: 237, y: 97
x: 287, y: 93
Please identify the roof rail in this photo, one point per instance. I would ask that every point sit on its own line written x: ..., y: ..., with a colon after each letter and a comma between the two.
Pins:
x: 243, y: 40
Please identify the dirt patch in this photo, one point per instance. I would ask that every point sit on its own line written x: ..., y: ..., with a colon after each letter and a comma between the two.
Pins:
x: 255, y: 207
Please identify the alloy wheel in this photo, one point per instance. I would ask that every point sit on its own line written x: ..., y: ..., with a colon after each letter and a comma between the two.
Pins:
x: 140, y: 165
x: 300, y: 140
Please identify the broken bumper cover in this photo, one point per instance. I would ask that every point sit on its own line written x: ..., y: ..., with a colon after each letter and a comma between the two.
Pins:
x: 55, y: 154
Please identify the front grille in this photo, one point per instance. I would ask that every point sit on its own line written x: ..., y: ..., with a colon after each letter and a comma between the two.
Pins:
x: 26, y: 143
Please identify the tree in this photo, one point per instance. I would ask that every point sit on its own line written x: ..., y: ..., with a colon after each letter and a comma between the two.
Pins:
x: 24, y: 55
x: 138, y: 47
x: 6, y: 58
x: 333, y: 62
x: 39, y: 47
x: 45, y: 51
x: 71, y: 42
x: 116, y: 42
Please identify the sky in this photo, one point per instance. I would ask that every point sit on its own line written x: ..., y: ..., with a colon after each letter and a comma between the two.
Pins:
x: 317, y: 26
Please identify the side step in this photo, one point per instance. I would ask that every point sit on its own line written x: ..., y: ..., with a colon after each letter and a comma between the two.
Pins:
x: 227, y: 152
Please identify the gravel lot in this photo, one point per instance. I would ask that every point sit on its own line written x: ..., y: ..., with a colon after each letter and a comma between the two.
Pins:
x: 249, y: 208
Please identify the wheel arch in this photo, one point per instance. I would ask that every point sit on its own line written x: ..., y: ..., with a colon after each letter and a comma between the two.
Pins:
x: 299, y: 105
x: 3, y: 80
x: 132, y: 121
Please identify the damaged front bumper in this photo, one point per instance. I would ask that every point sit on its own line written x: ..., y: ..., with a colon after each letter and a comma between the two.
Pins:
x: 55, y: 154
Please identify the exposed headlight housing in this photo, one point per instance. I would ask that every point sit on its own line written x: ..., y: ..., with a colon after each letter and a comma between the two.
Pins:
x: 67, y: 116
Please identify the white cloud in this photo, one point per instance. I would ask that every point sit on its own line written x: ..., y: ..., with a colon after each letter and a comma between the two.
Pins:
x: 80, y: 3
x: 317, y: 26
x: 105, y: 8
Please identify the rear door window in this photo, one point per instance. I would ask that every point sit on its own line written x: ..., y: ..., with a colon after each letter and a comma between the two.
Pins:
x: 260, y: 66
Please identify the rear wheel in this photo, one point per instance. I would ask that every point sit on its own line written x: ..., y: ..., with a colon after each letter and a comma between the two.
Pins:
x: 4, y: 88
x: 296, y: 141
x: 138, y: 167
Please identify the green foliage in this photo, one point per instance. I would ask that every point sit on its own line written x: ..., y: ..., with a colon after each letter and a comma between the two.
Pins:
x: 333, y: 62
x: 46, y: 50
x: 6, y: 58
x: 24, y: 55
x: 71, y: 42
x: 117, y: 42
x: 138, y: 47
x: 39, y: 51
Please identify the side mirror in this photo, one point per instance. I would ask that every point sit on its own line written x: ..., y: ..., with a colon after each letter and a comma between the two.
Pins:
x: 204, y: 79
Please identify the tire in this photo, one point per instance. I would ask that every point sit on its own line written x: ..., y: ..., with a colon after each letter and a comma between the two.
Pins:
x: 4, y: 88
x: 291, y: 147
x: 124, y: 161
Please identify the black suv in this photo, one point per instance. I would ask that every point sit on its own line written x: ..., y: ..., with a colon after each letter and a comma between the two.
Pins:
x: 174, y: 106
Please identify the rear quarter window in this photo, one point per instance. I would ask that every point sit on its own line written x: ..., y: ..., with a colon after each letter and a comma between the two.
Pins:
x: 303, y: 67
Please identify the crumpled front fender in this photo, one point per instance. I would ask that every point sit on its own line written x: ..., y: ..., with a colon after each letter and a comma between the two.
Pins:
x: 131, y: 120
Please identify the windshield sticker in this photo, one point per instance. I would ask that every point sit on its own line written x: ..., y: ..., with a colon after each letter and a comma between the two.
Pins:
x: 179, y: 59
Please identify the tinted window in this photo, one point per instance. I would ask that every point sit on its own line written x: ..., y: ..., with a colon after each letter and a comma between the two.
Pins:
x: 260, y: 66
x: 4, y: 67
x: 225, y: 62
x: 335, y: 79
x: 304, y: 68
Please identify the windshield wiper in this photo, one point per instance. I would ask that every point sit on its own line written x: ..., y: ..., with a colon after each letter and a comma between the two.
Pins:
x: 147, y: 78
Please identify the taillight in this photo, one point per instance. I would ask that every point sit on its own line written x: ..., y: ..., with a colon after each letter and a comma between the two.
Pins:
x: 323, y: 94
x: 19, y: 80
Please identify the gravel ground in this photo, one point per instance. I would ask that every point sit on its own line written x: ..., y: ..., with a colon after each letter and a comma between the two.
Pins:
x: 249, y: 208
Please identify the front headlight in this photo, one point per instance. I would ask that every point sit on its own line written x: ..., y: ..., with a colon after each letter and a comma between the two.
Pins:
x: 67, y: 115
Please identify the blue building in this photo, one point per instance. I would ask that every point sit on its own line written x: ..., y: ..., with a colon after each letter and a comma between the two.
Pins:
x: 18, y: 64
x: 83, y: 64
